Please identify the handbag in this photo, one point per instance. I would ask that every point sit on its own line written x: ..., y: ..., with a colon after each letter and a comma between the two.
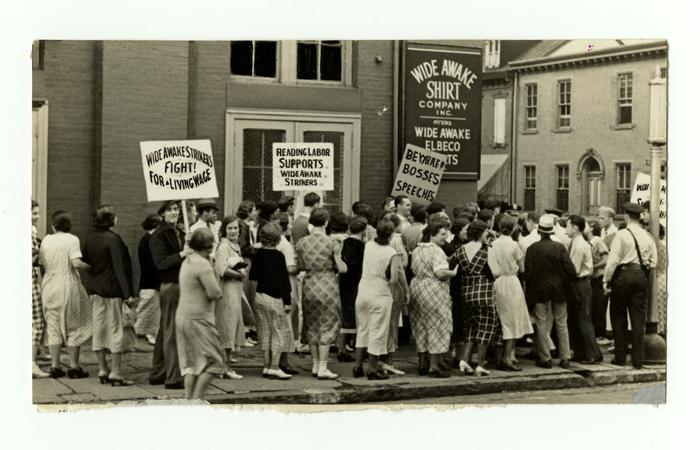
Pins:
x: 645, y: 267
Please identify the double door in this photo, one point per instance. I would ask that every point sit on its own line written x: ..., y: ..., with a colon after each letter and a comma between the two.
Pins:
x: 251, y: 162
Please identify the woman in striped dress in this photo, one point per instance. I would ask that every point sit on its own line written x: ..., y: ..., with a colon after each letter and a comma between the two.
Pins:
x: 320, y: 257
x: 430, y: 306
x: 477, y: 291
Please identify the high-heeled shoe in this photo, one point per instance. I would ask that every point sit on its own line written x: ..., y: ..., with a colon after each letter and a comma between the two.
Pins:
x: 465, y: 368
x: 77, y: 372
x: 481, y: 372
x: 358, y: 372
x: 104, y: 378
x: 121, y: 382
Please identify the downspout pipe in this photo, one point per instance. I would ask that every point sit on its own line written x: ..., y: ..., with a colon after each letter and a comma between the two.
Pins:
x: 514, y: 139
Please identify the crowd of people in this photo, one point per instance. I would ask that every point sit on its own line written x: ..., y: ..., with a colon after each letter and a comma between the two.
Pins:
x: 311, y: 280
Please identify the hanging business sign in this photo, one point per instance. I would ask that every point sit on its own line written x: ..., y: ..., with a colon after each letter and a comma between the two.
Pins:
x: 176, y: 170
x: 442, y: 105
x: 641, y: 194
x: 302, y: 166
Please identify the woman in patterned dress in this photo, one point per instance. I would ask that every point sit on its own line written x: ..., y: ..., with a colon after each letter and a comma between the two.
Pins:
x: 506, y: 260
x: 662, y: 293
x: 430, y: 306
x: 67, y: 308
x: 320, y: 257
x: 229, y: 310
x: 38, y: 323
x: 477, y: 291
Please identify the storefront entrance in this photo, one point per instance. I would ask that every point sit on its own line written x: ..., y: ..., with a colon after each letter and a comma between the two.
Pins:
x: 249, y: 139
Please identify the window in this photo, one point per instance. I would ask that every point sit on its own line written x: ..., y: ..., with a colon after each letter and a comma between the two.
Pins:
x: 563, y: 187
x: 38, y: 55
x: 624, y: 184
x: 254, y: 58
x: 529, y: 201
x: 492, y: 54
x: 531, y: 107
x: 320, y: 60
x: 624, y: 98
x: 499, y: 122
x: 564, y: 104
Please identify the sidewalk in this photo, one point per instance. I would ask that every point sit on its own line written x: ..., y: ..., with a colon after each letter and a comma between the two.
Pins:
x: 304, y: 389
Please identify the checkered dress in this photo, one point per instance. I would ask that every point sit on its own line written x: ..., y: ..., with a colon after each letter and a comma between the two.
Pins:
x: 38, y: 323
x: 320, y: 294
x: 430, y: 308
x: 477, y: 292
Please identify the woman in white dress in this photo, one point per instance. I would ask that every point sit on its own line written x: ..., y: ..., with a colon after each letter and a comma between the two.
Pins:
x: 230, y: 268
x: 67, y: 308
x: 505, y: 260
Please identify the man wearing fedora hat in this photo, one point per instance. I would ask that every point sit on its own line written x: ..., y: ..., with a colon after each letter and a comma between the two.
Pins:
x: 632, y: 254
x: 207, y: 212
x: 168, y: 248
x: 548, y: 275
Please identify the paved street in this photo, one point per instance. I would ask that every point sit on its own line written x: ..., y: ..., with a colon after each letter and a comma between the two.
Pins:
x: 304, y: 389
x: 637, y: 393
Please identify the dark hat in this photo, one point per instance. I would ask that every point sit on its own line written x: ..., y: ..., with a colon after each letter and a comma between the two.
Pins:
x: 633, y: 208
x: 546, y: 224
x: 207, y: 203
x: 556, y: 211
x: 166, y: 204
x: 478, y: 225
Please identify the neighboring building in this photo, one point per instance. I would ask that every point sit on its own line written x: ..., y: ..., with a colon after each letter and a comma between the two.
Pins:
x: 582, y: 122
x: 497, y: 117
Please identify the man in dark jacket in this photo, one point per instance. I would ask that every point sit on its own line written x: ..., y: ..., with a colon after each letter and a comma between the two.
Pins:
x: 548, y: 276
x: 168, y: 248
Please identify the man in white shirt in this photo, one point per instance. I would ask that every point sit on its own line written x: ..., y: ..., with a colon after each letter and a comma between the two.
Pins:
x: 207, y: 212
x: 581, y: 331
x: 403, y: 209
x: 632, y: 251
x: 606, y: 218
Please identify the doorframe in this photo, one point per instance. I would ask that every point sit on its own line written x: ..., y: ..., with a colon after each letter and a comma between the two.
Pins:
x: 42, y: 128
x: 231, y: 157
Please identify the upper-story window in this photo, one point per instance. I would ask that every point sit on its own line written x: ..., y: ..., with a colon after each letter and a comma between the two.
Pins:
x: 624, y: 98
x: 320, y: 60
x: 492, y: 54
x: 531, y: 107
x: 564, y: 104
x: 254, y: 58
x: 499, y: 121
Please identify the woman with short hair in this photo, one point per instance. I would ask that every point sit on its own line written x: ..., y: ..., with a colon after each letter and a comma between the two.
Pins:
x: 198, y: 346
x: 272, y: 301
x: 374, y: 301
x: 148, y: 308
x: 477, y: 294
x: 320, y: 257
x: 231, y: 270
x: 110, y: 285
x: 430, y: 307
x: 67, y: 308
x: 38, y: 323
x: 506, y: 260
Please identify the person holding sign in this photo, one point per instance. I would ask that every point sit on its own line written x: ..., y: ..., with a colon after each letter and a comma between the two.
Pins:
x: 168, y: 247
x: 320, y: 257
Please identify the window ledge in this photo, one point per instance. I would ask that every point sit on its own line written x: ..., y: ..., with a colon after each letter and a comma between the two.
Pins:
x: 623, y: 126
x: 531, y: 131
x: 563, y: 130
x: 253, y: 79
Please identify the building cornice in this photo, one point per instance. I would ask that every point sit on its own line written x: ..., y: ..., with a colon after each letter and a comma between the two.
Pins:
x: 605, y: 56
